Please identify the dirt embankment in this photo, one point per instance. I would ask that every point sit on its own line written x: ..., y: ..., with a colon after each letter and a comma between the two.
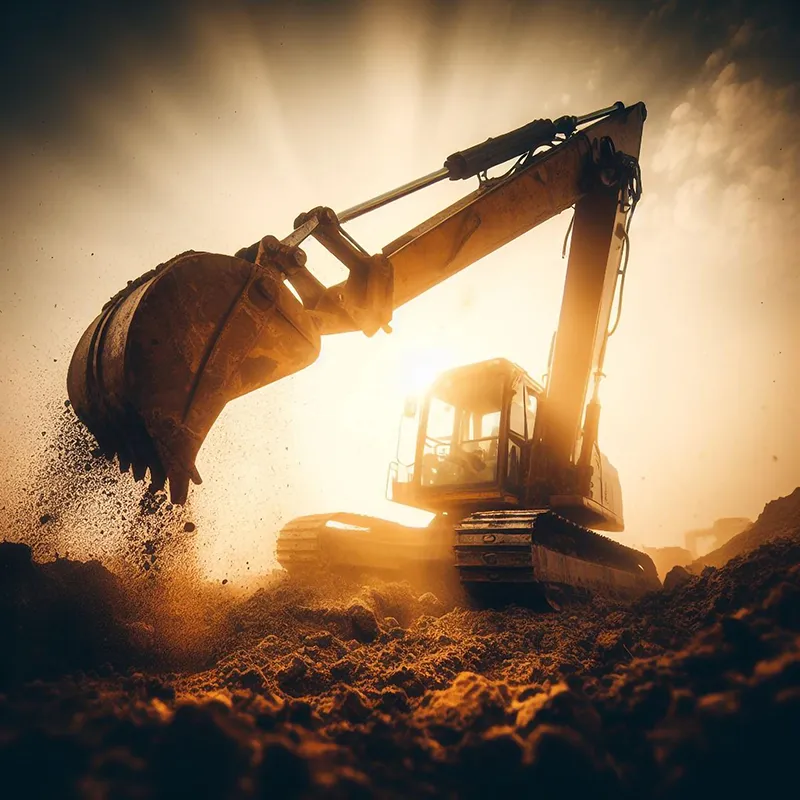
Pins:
x: 348, y: 690
x: 780, y: 518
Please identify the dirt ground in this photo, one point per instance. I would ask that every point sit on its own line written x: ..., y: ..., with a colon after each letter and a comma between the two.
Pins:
x: 368, y: 689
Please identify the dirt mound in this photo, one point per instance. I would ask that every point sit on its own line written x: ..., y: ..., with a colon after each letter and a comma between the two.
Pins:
x: 57, y: 617
x: 60, y: 616
x: 780, y: 518
x: 665, y: 558
x: 348, y: 690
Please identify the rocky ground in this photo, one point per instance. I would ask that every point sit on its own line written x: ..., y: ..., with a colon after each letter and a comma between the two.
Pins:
x: 352, y: 689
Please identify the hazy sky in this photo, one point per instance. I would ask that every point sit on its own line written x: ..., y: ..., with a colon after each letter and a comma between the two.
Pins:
x: 133, y: 132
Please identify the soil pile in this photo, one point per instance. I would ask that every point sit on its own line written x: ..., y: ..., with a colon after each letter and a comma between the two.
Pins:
x: 59, y: 616
x: 65, y: 615
x: 343, y: 689
x: 665, y: 558
x: 780, y: 518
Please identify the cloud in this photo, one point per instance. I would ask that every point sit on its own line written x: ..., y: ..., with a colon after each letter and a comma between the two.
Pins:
x: 743, y: 36
x: 732, y: 142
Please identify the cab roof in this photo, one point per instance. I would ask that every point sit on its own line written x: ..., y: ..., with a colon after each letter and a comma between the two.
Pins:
x: 502, y: 365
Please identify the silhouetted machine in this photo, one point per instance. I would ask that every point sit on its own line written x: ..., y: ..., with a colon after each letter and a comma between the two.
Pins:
x: 511, y: 468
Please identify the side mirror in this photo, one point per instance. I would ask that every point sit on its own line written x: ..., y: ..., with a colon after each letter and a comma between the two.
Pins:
x: 410, y: 407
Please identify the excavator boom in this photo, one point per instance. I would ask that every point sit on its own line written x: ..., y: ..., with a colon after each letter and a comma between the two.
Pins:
x: 155, y: 369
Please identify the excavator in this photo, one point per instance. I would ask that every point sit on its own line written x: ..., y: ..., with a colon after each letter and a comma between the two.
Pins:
x: 509, y: 467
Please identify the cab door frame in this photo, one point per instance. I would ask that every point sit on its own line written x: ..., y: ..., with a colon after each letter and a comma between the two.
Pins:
x: 520, y: 383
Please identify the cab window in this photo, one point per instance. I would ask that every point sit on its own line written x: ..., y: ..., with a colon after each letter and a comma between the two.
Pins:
x: 462, y: 432
x: 530, y: 412
x: 516, y: 418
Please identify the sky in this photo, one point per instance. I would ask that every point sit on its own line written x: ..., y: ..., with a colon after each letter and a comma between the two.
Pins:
x: 136, y: 130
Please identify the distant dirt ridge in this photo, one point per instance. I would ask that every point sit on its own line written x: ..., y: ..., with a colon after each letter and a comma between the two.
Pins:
x: 780, y: 518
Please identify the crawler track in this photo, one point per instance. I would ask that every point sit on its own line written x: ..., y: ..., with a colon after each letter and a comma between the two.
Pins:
x: 343, y: 542
x: 487, y: 549
x: 540, y: 547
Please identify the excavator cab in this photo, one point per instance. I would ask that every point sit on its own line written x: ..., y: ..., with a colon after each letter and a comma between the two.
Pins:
x: 472, y: 436
x: 468, y: 446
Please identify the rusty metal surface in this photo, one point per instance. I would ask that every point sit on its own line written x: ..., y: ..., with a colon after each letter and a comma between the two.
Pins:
x: 154, y: 370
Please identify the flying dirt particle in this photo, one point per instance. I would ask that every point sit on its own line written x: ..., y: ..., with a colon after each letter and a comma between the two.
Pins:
x: 189, y: 527
x: 224, y: 581
x: 141, y: 634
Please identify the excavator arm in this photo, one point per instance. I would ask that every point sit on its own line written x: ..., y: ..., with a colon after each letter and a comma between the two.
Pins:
x: 154, y: 370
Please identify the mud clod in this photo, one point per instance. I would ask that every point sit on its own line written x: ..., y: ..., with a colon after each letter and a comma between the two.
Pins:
x: 363, y: 622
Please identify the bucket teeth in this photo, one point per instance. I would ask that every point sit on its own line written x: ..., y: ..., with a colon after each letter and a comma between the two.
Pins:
x: 157, y: 477
x: 140, y: 458
x: 139, y: 471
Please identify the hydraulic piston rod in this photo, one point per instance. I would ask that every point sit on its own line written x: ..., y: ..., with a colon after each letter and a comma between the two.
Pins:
x: 468, y: 163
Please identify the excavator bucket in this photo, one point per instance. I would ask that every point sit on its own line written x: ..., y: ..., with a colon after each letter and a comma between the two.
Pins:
x: 153, y: 372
